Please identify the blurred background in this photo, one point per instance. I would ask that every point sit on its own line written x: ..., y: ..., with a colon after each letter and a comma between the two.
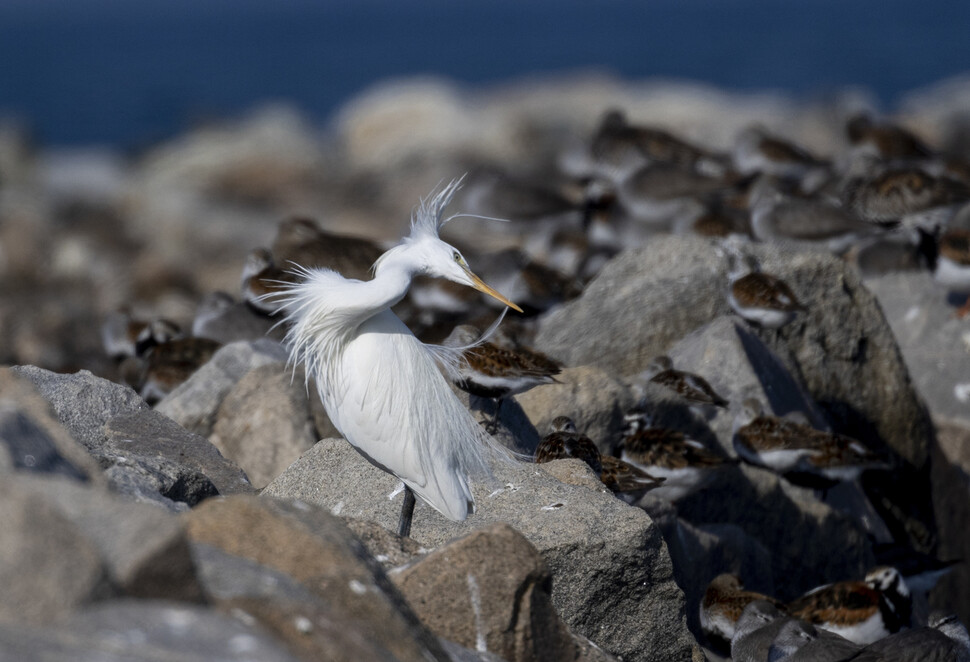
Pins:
x: 130, y: 73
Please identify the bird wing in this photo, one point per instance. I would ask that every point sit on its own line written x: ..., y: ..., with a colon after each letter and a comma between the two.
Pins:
x: 395, y: 407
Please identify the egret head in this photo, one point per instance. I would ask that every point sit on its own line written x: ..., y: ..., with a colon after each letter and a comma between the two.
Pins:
x: 428, y: 255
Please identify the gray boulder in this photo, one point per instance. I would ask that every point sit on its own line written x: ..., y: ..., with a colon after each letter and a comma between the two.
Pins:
x: 490, y: 589
x: 144, y: 550
x: 33, y: 440
x: 950, y: 481
x: 48, y: 566
x: 195, y: 402
x: 82, y: 402
x: 933, y: 341
x: 143, y: 631
x: 613, y: 580
x: 305, y: 577
x: 264, y: 423
x: 141, y: 451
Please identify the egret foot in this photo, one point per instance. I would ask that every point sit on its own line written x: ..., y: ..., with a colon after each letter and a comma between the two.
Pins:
x: 407, y: 512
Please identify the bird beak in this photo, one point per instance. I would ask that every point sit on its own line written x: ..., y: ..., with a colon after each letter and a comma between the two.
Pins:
x: 480, y: 285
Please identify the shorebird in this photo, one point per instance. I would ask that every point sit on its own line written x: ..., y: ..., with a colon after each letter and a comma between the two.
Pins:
x: 800, y: 641
x: 170, y: 363
x: 124, y: 336
x: 798, y: 451
x: 861, y: 611
x: 906, y: 195
x: 686, y: 464
x: 299, y: 241
x: 760, y: 298
x: 756, y: 150
x: 564, y: 441
x: 261, y: 277
x: 946, y: 640
x: 756, y: 628
x: 889, y: 141
x: 724, y: 600
x: 692, y: 388
x: 490, y: 371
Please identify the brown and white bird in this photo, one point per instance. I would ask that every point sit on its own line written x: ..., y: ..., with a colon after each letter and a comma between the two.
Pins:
x: 692, y: 388
x: 861, y: 611
x: 262, y: 279
x: 798, y: 451
x: 721, y: 607
x: 906, y: 195
x: 760, y: 298
x: 299, y: 241
x: 756, y: 150
x: 491, y: 371
x: 890, y: 142
x: 169, y: 364
x: 564, y: 441
x: 686, y: 464
x: 123, y: 335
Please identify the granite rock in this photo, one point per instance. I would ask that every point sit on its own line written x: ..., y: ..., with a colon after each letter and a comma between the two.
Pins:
x: 610, y: 567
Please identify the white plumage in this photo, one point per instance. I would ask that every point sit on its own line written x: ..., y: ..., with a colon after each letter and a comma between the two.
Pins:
x: 380, y: 385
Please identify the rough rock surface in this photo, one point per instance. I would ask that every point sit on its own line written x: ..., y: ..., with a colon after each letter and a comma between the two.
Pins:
x: 48, y: 566
x: 781, y: 517
x: 935, y: 344
x: 950, y: 482
x: 842, y: 349
x: 195, y: 402
x: 347, y: 589
x: 83, y: 402
x: 144, y: 549
x: 264, y: 423
x: 612, y: 574
x: 143, y: 631
x: 143, y: 453
x: 489, y: 589
x: 33, y: 440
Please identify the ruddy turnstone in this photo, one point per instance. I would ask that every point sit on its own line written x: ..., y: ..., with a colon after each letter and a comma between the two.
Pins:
x: 261, y: 279
x: 300, y: 241
x: 952, y: 268
x: 490, y: 371
x: 946, y: 640
x: 565, y: 441
x: 169, y: 364
x: 756, y: 150
x: 761, y: 298
x: 123, y: 336
x: 861, y: 611
x: 721, y: 607
x: 889, y: 141
x: 692, y: 388
x: 921, y: 571
x: 686, y: 464
x: 906, y: 195
x: 755, y: 630
x: 798, y: 451
x: 799, y: 641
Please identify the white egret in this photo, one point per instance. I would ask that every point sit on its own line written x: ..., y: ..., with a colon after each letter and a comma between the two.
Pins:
x: 380, y: 385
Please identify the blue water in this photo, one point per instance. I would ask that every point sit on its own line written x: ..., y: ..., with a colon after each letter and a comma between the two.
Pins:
x: 128, y: 72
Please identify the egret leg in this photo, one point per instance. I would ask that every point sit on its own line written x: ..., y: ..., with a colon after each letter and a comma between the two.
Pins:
x: 407, y: 512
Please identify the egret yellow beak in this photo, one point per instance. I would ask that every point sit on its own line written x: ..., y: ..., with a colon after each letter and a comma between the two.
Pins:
x: 480, y: 285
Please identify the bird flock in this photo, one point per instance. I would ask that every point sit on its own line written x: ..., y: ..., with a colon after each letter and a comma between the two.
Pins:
x: 887, y: 201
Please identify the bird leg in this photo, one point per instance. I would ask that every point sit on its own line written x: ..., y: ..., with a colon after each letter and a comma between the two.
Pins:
x: 492, y: 426
x: 407, y: 512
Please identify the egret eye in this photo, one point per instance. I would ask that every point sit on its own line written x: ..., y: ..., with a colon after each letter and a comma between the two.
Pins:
x: 457, y: 257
